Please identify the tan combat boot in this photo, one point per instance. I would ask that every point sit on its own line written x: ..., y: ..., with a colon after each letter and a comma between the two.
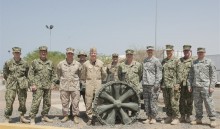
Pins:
x: 182, y: 118
x: 167, y: 120
x: 213, y: 124
x: 33, y: 121
x: 153, y: 121
x: 65, y: 119
x: 195, y: 122
x: 188, y: 119
x: 147, y: 120
x: 76, y: 119
x: 89, y: 122
x: 7, y: 119
x: 175, y: 121
x: 24, y: 120
x: 46, y: 119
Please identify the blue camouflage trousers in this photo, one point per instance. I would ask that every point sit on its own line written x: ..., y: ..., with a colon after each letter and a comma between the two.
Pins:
x: 37, y: 96
x: 10, y: 95
x: 171, y: 101
x: 186, y: 101
x: 150, y: 101
x: 200, y: 95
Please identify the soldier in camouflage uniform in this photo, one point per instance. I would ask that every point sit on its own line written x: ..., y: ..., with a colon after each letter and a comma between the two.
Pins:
x: 130, y: 71
x: 92, y: 74
x: 112, y: 68
x: 15, y: 73
x: 170, y: 86
x: 186, y: 99
x: 68, y: 72
x: 202, y: 80
x: 82, y: 59
x: 42, y: 79
x: 152, y: 75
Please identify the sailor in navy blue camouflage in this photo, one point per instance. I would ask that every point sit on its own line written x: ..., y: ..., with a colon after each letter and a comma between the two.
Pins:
x: 15, y: 72
x: 170, y: 86
x: 202, y: 80
x: 186, y: 100
x: 130, y: 71
x: 152, y: 75
x: 42, y: 78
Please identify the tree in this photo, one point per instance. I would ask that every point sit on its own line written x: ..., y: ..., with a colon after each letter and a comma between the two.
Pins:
x: 55, y: 56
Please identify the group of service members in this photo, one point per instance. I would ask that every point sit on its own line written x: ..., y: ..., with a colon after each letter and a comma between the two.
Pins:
x: 182, y: 81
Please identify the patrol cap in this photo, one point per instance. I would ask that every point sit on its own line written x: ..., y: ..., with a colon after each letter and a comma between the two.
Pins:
x: 114, y: 55
x: 169, y: 47
x: 82, y: 53
x: 150, y: 48
x: 93, y: 49
x: 129, y: 51
x: 69, y: 50
x: 187, y: 47
x: 200, y: 49
x: 43, y: 48
x: 16, y: 49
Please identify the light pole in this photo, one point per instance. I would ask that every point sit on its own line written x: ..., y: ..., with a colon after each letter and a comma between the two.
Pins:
x: 50, y: 28
x: 156, y: 26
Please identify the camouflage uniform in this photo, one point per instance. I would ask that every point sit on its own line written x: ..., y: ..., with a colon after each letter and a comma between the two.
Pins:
x: 69, y: 85
x: 170, y: 79
x: 15, y: 74
x: 186, y: 99
x: 131, y: 74
x: 112, y: 71
x: 41, y: 74
x: 152, y: 75
x: 92, y: 75
x: 82, y: 84
x: 203, y: 76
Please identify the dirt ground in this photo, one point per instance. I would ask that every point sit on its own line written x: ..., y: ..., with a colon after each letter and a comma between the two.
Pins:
x: 56, y: 114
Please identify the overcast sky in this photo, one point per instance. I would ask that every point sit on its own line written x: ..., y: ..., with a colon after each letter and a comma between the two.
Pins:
x: 109, y: 25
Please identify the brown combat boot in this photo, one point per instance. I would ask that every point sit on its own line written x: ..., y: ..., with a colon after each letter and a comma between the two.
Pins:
x: 24, y: 120
x: 182, y: 118
x: 213, y: 124
x: 175, y: 121
x: 65, y: 119
x: 46, y: 119
x: 195, y: 122
x: 76, y: 119
x: 167, y: 120
x: 33, y: 121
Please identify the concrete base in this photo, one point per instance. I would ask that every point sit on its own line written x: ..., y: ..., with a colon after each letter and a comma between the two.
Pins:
x: 26, y: 126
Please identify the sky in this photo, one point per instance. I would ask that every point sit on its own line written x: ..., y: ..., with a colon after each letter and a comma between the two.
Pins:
x: 109, y: 25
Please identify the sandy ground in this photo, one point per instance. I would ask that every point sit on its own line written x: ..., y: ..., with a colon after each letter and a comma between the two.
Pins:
x: 56, y: 114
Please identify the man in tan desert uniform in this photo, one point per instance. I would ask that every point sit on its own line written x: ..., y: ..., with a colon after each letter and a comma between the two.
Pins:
x: 92, y: 74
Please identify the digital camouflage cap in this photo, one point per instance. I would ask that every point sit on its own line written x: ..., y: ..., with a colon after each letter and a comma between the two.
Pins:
x: 150, y: 48
x: 69, y: 50
x: 82, y: 53
x: 129, y: 51
x: 114, y: 55
x: 200, y: 49
x: 169, y: 47
x: 187, y: 47
x: 16, y: 49
x: 43, y: 48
